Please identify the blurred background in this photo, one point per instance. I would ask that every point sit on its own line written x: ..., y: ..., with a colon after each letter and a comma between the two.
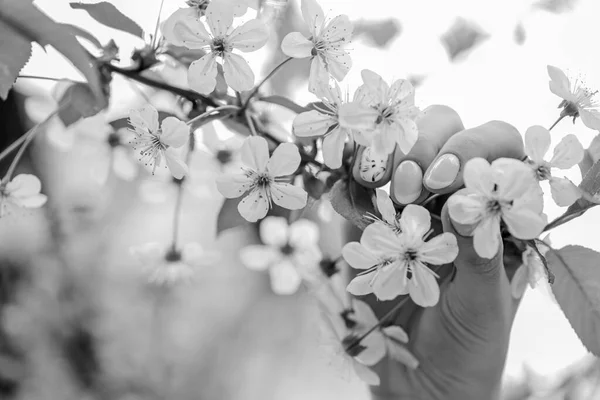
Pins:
x: 80, y: 321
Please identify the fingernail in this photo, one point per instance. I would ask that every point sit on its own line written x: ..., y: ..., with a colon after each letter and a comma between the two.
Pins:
x: 408, y: 182
x: 372, y: 166
x: 443, y: 172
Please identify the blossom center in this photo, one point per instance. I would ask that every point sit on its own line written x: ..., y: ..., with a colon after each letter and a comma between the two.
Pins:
x: 287, y: 249
x: 543, y: 172
x: 224, y: 156
x: 173, y: 255
x: 220, y: 46
x: 262, y: 180
x: 352, y: 346
x: 198, y: 4
x: 114, y: 140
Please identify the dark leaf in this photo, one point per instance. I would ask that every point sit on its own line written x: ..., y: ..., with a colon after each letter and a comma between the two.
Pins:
x: 108, y: 15
x: 15, y: 51
x: 462, y: 36
x: 556, y: 6
x: 378, y: 33
x: 76, y: 102
x: 313, y: 185
x: 352, y: 203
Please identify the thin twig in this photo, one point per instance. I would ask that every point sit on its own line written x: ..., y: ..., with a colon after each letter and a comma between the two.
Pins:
x: 157, y: 24
x: 255, y: 90
x: 557, y: 121
x: 250, y: 123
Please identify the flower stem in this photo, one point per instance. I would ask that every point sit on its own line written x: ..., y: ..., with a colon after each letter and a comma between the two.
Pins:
x: 557, y: 121
x: 250, y: 123
x: 255, y: 90
x: 208, y: 113
x: 157, y: 24
x: 43, y: 78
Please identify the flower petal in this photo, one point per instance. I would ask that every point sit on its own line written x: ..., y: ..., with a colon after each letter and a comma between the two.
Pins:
x: 537, y: 143
x: 415, y: 221
x: 523, y: 223
x: 237, y: 72
x: 255, y: 153
x: 486, y: 237
x: 479, y: 176
x: 318, y: 75
x: 338, y: 63
x: 219, y: 16
x: 295, y: 45
x: 254, y: 206
x: 401, y: 89
x: 358, y: 256
x: 288, y: 196
x: 366, y: 374
x: 513, y: 177
x: 202, y: 74
x: 233, y: 185
x: 440, y: 250
x: 175, y: 133
x: 333, y: 147
x: 519, y: 281
x: 304, y: 234
x: 567, y: 153
x: 466, y: 208
x: 257, y: 257
x: 357, y: 115
x: 249, y: 37
x: 408, y: 133
x: 175, y: 164
x: 361, y: 285
x: 145, y: 118
x: 377, y: 88
x: 313, y: 16
x: 391, y: 281
x: 33, y: 201
x: 384, y: 139
x: 559, y: 84
x: 374, y: 345
x: 23, y: 186
x: 285, y: 279
x: 386, y: 207
x: 149, y: 254
x: 590, y: 118
x: 423, y: 287
x: 380, y: 239
x: 564, y: 192
x: 339, y: 29
x: 183, y: 28
x: 312, y: 123
x: 284, y: 160
x: 274, y: 231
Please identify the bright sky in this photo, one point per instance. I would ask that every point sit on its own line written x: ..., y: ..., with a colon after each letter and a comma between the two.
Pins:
x: 499, y: 80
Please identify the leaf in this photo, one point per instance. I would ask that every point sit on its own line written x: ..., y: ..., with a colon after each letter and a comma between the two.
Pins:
x: 82, y: 33
x: 76, y: 102
x: 519, y: 34
x: 462, y: 36
x: 229, y: 216
x: 26, y: 19
x: 15, y: 51
x: 108, y: 15
x: 313, y: 185
x: 577, y: 291
x: 378, y: 33
x: 556, y: 6
x: 353, y: 204
x: 284, y: 102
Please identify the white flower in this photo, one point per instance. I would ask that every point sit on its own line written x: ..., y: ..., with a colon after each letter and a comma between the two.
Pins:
x: 505, y: 190
x: 154, y: 143
x: 325, y: 45
x: 289, y: 252
x: 395, y: 264
x: 173, y: 266
x: 567, y: 154
x: 22, y: 191
x: 221, y: 143
x: 187, y: 30
x: 262, y: 178
x: 578, y: 100
x: 530, y: 272
x: 388, y: 111
x: 324, y: 122
x: 340, y: 339
x: 386, y: 208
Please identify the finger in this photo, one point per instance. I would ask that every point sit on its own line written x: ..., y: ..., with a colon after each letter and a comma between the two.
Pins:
x: 437, y: 125
x: 370, y: 169
x: 492, y: 140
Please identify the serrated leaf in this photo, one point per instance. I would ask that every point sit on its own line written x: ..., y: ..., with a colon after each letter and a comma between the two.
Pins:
x: 352, y: 203
x: 229, y: 216
x: 31, y: 23
x: 284, y: 102
x: 577, y: 291
x: 109, y: 15
x: 15, y: 51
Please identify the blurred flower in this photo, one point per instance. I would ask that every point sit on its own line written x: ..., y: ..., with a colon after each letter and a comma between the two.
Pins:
x: 290, y: 252
x: 504, y: 190
x: 324, y: 122
x: 261, y: 177
x: 174, y: 266
x: 63, y: 137
x: 386, y: 208
x: 388, y: 112
x: 340, y: 338
x: 395, y: 264
x: 568, y: 153
x: 183, y: 29
x: 395, y: 343
x: 224, y: 150
x: 578, y: 100
x: 530, y: 272
x: 22, y: 191
x: 154, y: 143
x: 325, y: 45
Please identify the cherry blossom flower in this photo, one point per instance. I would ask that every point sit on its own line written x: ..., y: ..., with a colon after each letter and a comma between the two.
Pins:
x: 154, y: 143
x: 289, y: 252
x: 325, y: 122
x: 173, y: 266
x: 386, y: 208
x: 325, y: 45
x: 530, y: 272
x: 568, y: 153
x: 183, y: 29
x: 505, y: 190
x: 22, y: 191
x: 263, y: 179
x: 396, y: 264
x: 389, y: 112
x: 578, y: 100
x: 340, y: 334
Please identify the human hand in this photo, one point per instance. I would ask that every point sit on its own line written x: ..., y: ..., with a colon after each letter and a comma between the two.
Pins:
x: 461, y: 343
